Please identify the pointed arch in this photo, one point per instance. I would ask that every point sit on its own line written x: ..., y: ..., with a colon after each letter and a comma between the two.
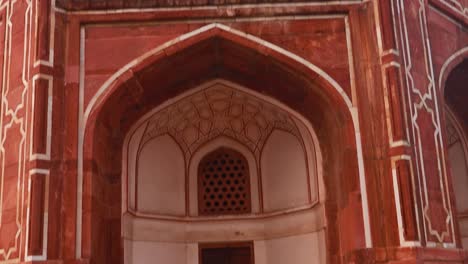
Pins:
x: 329, y: 89
x: 451, y: 81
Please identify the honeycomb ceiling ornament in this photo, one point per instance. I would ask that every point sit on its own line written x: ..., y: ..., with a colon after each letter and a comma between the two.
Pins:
x: 219, y: 110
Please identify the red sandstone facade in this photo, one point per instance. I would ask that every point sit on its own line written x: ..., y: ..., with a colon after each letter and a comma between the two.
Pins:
x: 373, y: 78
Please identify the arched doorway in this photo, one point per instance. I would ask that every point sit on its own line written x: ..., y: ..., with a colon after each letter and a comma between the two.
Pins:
x: 175, y: 69
x: 456, y: 117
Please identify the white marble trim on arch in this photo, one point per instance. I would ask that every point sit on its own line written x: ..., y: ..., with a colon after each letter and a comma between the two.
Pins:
x: 83, y: 116
x: 456, y: 6
x: 449, y: 66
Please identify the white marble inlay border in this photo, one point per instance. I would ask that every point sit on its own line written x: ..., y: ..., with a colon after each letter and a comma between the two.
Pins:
x: 43, y: 256
x: 401, y: 230
x: 456, y: 6
x: 46, y: 155
x: 413, y: 91
x: 50, y: 61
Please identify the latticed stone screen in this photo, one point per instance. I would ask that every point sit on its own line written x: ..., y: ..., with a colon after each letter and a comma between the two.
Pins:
x: 223, y: 183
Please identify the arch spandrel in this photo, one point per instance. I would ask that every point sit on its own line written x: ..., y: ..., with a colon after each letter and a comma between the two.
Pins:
x: 137, y: 68
x: 98, y: 69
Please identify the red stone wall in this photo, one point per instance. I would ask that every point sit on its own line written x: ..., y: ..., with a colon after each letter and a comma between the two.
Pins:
x: 119, y: 4
x: 15, y: 118
x: 62, y: 132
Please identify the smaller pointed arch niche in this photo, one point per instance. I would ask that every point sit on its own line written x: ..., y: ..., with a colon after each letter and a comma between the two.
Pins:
x: 161, y: 177
x: 224, y: 183
x: 222, y: 163
x: 285, y: 176
x: 163, y: 152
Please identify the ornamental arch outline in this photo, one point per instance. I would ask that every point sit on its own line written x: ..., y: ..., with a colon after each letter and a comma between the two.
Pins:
x: 235, y: 197
x: 305, y: 134
x: 451, y: 63
x: 330, y: 87
x: 213, y: 145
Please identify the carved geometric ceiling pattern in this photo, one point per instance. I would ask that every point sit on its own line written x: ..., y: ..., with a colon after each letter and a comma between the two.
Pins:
x: 219, y: 111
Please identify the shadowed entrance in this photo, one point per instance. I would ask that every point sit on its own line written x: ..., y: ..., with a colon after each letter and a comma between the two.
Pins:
x: 226, y: 254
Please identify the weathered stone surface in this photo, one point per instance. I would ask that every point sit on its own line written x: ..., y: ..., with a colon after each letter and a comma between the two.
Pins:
x: 371, y: 77
x: 118, y: 4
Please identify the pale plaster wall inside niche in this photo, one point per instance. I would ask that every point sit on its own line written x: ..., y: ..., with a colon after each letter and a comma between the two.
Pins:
x: 128, y: 251
x: 131, y: 164
x: 214, y: 144
x: 465, y: 242
x: 300, y: 249
x: 161, y: 177
x: 144, y: 252
x: 313, y: 159
x: 215, y: 230
x: 459, y: 172
x: 192, y: 253
x: 284, y: 173
x: 463, y: 225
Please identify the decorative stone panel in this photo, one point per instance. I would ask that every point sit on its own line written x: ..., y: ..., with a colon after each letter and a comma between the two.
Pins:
x: 215, y: 111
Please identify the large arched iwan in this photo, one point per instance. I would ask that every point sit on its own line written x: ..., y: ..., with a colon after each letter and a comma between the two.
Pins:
x: 216, y: 51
